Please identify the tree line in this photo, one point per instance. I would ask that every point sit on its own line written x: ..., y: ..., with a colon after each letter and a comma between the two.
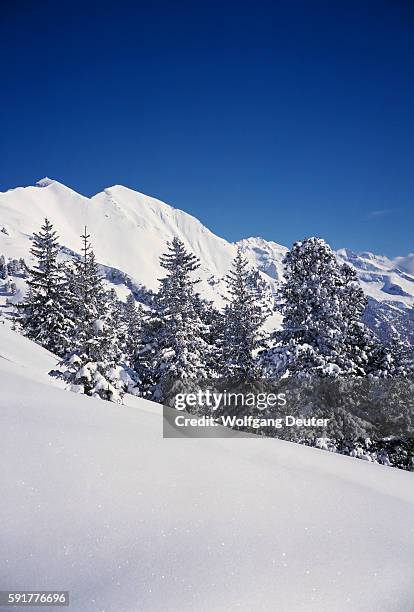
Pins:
x: 177, y: 340
x: 108, y: 347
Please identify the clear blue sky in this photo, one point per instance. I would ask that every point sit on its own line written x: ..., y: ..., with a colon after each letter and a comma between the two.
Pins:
x: 281, y: 119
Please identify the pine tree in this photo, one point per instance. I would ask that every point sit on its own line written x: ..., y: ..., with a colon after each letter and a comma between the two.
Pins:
x: 172, y: 349
x: 14, y: 267
x: 324, y: 338
x: 357, y: 343
x: 212, y: 335
x: 149, y: 353
x: 89, y: 290
x: 131, y: 316
x: 45, y: 307
x: 242, y: 324
x: 322, y: 303
x: 91, y: 367
x: 311, y: 306
x: 4, y: 270
x: 365, y: 354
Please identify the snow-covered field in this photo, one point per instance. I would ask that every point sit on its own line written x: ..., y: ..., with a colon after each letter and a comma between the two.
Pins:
x: 95, y: 501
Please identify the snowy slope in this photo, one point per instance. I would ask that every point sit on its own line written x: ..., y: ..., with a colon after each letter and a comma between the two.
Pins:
x: 129, y: 231
x: 19, y: 355
x: 95, y: 501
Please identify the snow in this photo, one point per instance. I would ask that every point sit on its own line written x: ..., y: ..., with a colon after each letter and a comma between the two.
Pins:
x: 44, y: 182
x: 99, y: 326
x: 95, y: 501
x: 405, y: 263
x: 21, y: 356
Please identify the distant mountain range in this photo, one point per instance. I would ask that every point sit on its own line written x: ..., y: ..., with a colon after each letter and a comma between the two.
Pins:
x: 129, y: 231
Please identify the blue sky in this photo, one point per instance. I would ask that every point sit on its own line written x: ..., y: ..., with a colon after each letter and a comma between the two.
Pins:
x: 281, y: 119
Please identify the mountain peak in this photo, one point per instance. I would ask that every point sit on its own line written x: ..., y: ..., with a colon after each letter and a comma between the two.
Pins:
x: 45, y: 182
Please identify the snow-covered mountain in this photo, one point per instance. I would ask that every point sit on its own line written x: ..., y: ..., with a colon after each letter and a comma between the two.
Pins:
x: 129, y: 232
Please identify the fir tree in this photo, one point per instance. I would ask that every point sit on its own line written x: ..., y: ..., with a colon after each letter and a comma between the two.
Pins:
x: 365, y: 354
x: 212, y: 334
x: 4, y: 270
x: 242, y: 324
x: 172, y: 348
x: 323, y: 337
x: 45, y: 308
x: 149, y: 352
x: 91, y: 367
x: 322, y: 303
x: 90, y: 298
x: 311, y: 305
x: 131, y: 316
x: 357, y: 344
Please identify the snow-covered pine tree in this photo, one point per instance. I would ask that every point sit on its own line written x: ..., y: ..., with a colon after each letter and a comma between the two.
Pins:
x: 322, y: 303
x: 4, y: 270
x: 312, y: 324
x: 366, y: 354
x: 23, y: 268
x: 148, y: 354
x: 172, y: 349
x: 91, y: 367
x: 213, y: 327
x: 89, y: 289
x: 131, y: 315
x: 14, y: 267
x: 402, y: 355
x: 242, y: 325
x: 323, y: 337
x: 46, y: 317
x: 358, y: 343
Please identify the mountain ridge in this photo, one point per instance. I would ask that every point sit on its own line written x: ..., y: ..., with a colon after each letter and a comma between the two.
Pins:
x: 129, y: 231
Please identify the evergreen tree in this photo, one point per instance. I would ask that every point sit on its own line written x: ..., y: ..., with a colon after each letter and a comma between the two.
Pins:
x: 149, y: 352
x: 92, y: 367
x: 90, y: 298
x: 131, y: 316
x: 14, y: 267
x: 311, y: 304
x: 23, y: 267
x: 4, y: 270
x: 172, y: 348
x: 358, y: 344
x: 366, y: 354
x: 323, y: 337
x: 242, y: 324
x: 45, y: 307
x: 322, y: 303
x: 212, y: 334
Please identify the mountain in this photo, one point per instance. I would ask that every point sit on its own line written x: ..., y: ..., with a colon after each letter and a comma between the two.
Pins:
x: 97, y: 502
x: 129, y: 231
